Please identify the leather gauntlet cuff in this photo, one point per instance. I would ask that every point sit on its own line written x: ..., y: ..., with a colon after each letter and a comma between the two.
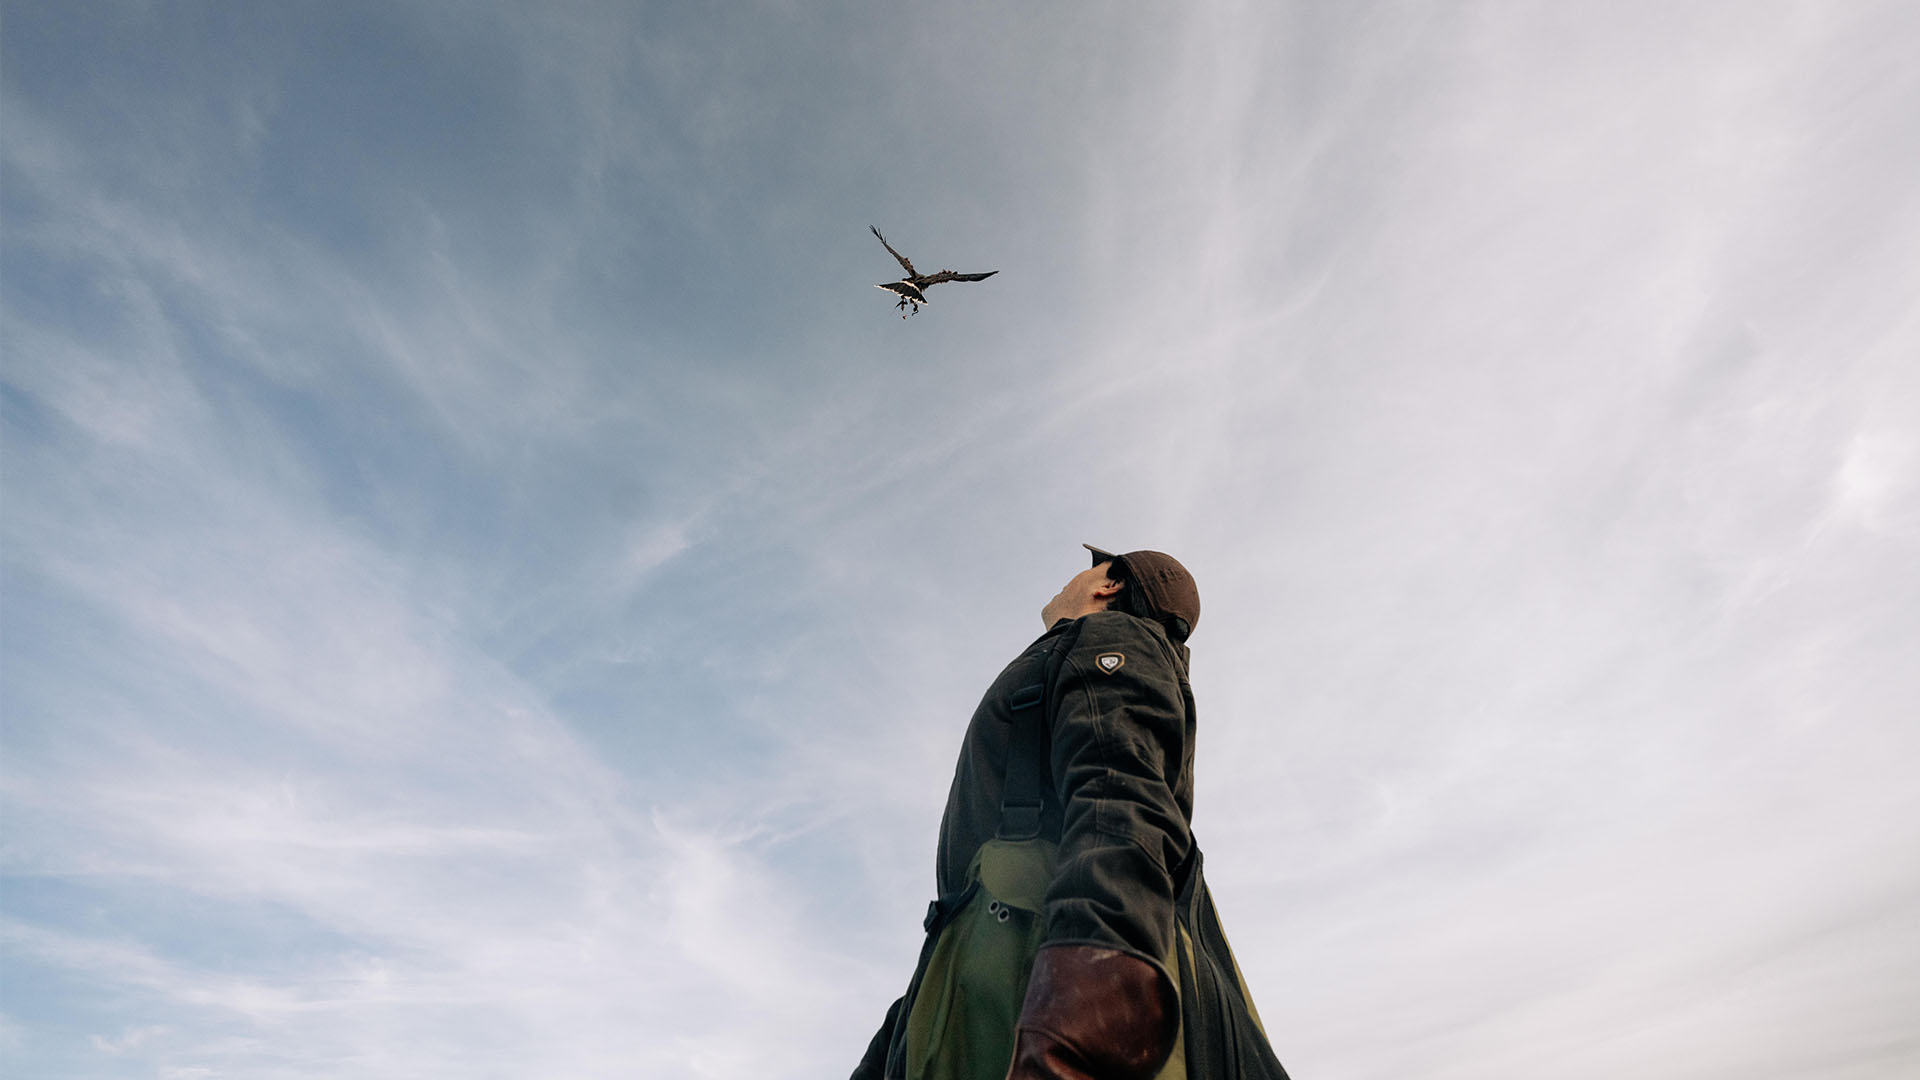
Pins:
x: 1094, y: 1014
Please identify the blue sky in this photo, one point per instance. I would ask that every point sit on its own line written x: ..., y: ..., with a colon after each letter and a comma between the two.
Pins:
x: 490, y: 589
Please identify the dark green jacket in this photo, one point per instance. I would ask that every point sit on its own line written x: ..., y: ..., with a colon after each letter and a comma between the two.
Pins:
x: 1121, y: 730
x: 1122, y: 764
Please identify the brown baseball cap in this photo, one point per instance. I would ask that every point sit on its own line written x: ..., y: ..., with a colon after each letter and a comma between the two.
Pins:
x: 1165, y: 586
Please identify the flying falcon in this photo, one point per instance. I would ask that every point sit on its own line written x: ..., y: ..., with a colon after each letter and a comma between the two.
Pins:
x: 910, y: 288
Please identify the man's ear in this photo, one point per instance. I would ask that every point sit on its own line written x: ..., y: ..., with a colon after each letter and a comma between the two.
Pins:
x: 1108, y: 588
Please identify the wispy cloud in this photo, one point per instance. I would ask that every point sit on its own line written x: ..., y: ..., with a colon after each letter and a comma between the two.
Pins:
x: 483, y: 597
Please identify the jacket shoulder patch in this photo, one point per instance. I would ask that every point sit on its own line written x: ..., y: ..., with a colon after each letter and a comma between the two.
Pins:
x: 1110, y: 662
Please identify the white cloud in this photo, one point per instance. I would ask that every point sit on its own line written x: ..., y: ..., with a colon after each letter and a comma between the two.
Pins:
x: 130, y: 1039
x: 1874, y: 486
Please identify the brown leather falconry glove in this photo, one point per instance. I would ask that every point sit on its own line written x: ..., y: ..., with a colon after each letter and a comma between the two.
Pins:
x: 1093, y: 1014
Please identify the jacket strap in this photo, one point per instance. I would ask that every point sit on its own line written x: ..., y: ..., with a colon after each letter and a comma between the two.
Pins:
x: 1024, y: 793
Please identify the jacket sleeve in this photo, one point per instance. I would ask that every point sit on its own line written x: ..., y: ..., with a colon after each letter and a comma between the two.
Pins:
x: 1119, y: 745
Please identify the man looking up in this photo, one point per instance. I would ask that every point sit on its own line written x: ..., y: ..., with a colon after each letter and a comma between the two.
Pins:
x: 1052, y: 953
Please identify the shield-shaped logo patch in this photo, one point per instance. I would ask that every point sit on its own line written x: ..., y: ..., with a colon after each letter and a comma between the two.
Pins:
x: 1110, y: 661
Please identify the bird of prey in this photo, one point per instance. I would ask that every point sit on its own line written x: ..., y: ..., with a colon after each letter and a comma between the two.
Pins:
x: 910, y: 289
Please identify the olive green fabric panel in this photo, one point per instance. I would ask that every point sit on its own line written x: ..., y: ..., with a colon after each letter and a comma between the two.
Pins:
x: 1176, y: 1065
x: 961, y: 1022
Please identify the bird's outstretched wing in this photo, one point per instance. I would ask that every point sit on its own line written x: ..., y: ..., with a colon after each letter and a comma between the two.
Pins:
x: 911, y: 272
x: 948, y: 275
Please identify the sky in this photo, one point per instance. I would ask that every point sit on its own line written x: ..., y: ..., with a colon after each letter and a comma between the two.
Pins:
x: 488, y: 588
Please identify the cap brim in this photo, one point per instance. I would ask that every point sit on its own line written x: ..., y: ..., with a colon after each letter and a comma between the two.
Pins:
x: 1100, y: 556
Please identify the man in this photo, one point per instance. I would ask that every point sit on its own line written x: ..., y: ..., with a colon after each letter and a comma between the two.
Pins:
x: 1112, y: 718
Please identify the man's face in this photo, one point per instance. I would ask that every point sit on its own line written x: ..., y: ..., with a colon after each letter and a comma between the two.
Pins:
x: 1087, y: 593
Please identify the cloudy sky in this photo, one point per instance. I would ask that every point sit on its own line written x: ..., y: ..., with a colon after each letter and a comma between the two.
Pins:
x: 491, y: 590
